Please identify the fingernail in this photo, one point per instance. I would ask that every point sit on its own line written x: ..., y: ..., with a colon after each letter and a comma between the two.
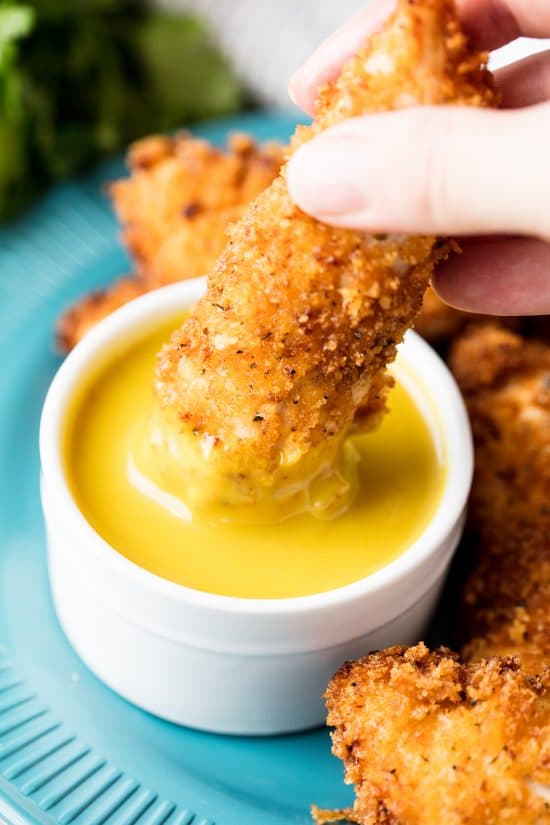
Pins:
x: 291, y: 93
x: 325, y: 178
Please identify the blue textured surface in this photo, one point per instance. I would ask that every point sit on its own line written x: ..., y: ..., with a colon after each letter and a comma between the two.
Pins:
x: 70, y: 749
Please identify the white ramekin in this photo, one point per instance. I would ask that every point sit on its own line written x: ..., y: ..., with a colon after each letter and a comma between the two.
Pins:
x: 243, y: 666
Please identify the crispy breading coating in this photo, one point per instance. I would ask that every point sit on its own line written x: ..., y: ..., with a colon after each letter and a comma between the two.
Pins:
x: 427, y: 740
x: 300, y: 317
x: 505, y: 380
x: 175, y: 208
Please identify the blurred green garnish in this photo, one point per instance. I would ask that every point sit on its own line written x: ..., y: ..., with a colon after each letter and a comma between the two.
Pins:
x: 81, y: 78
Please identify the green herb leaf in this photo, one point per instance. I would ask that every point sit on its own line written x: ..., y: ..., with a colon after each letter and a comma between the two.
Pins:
x: 82, y: 78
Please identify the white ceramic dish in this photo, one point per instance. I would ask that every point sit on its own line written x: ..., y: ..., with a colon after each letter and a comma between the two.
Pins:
x: 223, y: 664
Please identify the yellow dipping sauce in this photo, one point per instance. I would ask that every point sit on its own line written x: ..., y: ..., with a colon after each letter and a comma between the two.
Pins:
x: 401, y: 476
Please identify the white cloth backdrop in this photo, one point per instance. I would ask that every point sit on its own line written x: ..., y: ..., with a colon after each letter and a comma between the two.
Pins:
x: 266, y: 40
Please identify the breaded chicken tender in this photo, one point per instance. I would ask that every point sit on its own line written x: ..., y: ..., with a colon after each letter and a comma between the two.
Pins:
x: 301, y: 319
x: 427, y: 740
x: 175, y: 208
x: 505, y: 380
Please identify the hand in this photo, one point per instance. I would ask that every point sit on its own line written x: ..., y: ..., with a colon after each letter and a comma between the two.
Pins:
x: 490, y: 183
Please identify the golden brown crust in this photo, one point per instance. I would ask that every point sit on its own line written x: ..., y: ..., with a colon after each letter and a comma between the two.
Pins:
x: 427, y: 740
x: 301, y: 317
x: 506, y: 384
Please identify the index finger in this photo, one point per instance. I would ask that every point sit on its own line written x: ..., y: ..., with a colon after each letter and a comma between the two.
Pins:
x: 490, y: 23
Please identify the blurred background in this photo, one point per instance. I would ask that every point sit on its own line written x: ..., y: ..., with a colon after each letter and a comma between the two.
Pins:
x: 79, y: 79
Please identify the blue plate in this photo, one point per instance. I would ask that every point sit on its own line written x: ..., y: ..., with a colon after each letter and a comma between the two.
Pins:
x: 70, y: 749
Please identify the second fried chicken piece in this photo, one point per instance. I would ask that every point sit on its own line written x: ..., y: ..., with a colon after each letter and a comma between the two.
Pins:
x: 505, y: 380
x: 424, y: 738
x: 300, y: 318
x: 180, y: 197
x: 175, y: 208
x: 427, y: 740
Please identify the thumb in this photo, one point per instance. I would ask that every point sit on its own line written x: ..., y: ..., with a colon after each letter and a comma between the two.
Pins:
x: 440, y: 170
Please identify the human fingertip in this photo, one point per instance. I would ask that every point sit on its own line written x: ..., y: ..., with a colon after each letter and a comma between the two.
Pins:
x: 291, y: 91
x: 299, y: 91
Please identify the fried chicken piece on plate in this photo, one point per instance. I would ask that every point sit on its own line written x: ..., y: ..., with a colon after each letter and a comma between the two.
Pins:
x: 427, y: 740
x: 301, y: 319
x: 93, y: 308
x: 505, y: 380
x: 175, y: 209
x: 182, y: 194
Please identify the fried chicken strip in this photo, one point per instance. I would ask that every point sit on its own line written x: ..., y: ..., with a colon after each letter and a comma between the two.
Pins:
x: 427, y: 740
x: 300, y: 318
x: 505, y: 380
x: 175, y: 209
